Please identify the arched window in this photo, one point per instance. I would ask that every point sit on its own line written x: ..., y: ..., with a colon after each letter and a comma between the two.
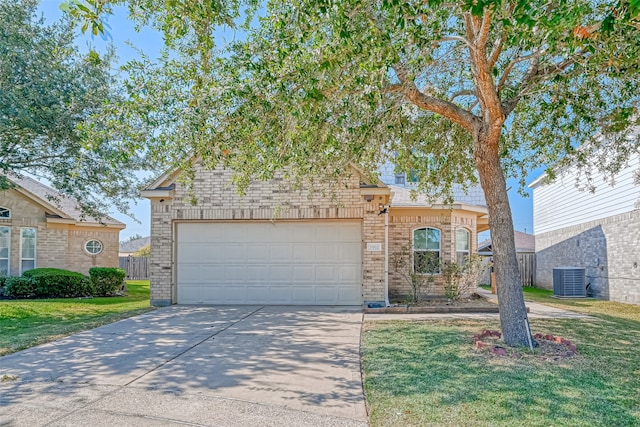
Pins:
x: 462, y: 246
x: 426, y: 250
x: 4, y: 213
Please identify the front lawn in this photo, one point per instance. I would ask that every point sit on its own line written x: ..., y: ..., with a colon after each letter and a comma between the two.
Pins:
x: 26, y: 323
x: 430, y: 373
x: 591, y: 306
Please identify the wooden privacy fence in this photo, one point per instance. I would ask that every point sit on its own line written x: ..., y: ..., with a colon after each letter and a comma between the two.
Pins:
x: 527, y: 265
x: 137, y: 268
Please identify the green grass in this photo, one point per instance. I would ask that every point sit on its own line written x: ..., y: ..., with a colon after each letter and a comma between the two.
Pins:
x: 591, y: 306
x: 429, y: 373
x: 26, y: 323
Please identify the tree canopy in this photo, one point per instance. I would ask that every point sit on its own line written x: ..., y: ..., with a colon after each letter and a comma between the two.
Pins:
x: 457, y: 92
x: 47, y: 90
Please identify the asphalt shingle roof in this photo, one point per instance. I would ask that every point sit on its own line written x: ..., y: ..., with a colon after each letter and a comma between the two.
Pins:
x: 402, y: 197
x: 54, y: 198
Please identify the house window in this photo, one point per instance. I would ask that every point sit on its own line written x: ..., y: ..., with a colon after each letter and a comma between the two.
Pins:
x: 5, y: 250
x: 93, y: 247
x: 27, y: 249
x: 5, y: 213
x: 462, y: 246
x: 401, y: 179
x: 426, y: 250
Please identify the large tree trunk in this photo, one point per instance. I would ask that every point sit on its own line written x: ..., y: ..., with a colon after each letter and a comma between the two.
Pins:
x: 513, y: 313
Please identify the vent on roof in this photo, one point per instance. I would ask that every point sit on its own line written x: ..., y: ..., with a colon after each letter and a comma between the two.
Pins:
x: 569, y: 282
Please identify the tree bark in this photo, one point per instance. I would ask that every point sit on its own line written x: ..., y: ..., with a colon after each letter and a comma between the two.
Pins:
x: 513, y: 314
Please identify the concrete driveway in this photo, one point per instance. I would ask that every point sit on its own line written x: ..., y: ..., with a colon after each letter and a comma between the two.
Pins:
x: 199, y: 366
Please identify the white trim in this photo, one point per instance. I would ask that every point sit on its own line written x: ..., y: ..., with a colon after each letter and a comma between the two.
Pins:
x: 413, y: 248
x: 91, y: 253
x: 8, y: 250
x: 468, y: 251
x: 5, y: 210
x: 35, y: 248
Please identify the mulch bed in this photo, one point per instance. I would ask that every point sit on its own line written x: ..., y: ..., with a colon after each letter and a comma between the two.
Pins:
x: 547, y: 347
x: 472, y: 304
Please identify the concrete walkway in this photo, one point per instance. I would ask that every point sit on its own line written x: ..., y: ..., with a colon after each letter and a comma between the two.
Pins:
x: 197, y: 366
x: 536, y: 311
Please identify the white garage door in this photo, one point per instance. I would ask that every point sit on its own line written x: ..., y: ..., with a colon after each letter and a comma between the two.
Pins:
x: 308, y: 263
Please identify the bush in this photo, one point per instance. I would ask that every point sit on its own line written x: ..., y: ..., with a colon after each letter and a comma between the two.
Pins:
x: 19, y: 287
x: 106, y: 281
x: 58, y: 283
x: 3, y: 282
x: 462, y: 280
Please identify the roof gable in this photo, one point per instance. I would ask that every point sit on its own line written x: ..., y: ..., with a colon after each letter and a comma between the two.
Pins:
x: 55, y: 204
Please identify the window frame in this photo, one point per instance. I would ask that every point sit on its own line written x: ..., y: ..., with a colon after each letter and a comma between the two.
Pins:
x: 400, y: 179
x: 438, y: 251
x: 8, y: 258
x: 466, y: 252
x: 35, y: 248
x: 3, y: 210
x: 93, y: 253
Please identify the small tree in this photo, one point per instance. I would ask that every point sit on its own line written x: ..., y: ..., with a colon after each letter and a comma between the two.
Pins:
x: 418, y: 272
x: 144, y: 252
x: 461, y: 279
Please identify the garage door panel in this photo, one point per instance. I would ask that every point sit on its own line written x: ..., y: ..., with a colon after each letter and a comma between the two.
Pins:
x: 347, y: 293
x: 303, y: 234
x: 327, y: 253
x: 303, y: 252
x: 280, y: 294
x: 348, y: 274
x: 310, y: 262
x: 280, y: 253
x: 303, y: 295
x: 234, y: 294
x: 280, y: 273
x: 256, y: 294
x: 326, y: 294
x: 326, y: 273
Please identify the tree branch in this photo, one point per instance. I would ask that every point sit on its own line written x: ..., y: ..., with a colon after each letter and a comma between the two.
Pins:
x: 447, y: 109
x: 483, y: 32
x: 492, y: 113
x: 467, y: 92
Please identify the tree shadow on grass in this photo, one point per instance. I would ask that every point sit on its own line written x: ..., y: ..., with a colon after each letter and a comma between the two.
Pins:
x: 435, y: 366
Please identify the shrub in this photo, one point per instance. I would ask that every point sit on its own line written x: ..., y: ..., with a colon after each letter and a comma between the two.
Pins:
x: 58, y: 283
x: 106, y: 281
x: 3, y: 282
x: 421, y: 281
x: 461, y: 280
x: 19, y: 287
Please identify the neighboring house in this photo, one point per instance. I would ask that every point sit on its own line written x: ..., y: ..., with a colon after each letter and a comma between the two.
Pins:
x: 598, y: 231
x: 525, y: 252
x: 41, y: 228
x: 132, y: 246
x: 278, y: 245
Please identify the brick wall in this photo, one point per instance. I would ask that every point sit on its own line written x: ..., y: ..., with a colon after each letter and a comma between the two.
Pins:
x: 402, y: 222
x: 57, y: 245
x: 606, y: 248
x: 80, y: 260
x: 216, y: 199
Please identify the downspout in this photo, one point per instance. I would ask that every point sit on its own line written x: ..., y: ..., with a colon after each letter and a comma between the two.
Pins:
x: 386, y: 257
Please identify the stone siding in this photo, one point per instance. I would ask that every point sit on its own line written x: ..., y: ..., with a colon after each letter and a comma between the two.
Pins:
x: 214, y: 198
x: 606, y: 248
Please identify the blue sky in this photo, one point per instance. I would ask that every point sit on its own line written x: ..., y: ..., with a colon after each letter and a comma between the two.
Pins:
x: 124, y: 36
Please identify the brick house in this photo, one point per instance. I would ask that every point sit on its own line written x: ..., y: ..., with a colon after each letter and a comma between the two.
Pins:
x: 596, y: 230
x: 41, y: 228
x: 279, y: 245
